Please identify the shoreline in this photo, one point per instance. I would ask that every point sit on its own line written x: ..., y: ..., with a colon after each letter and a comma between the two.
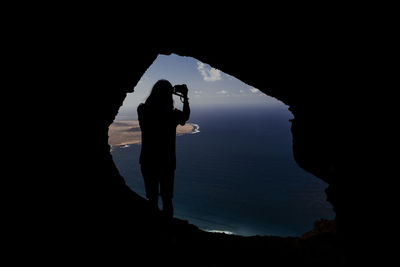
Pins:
x: 124, y: 133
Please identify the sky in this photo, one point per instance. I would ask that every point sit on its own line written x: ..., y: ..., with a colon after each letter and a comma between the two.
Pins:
x: 208, y: 87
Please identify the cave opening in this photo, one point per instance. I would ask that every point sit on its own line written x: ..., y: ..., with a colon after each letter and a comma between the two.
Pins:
x: 235, y: 167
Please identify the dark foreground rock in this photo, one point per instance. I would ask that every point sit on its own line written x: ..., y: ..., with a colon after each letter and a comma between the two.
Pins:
x: 78, y: 206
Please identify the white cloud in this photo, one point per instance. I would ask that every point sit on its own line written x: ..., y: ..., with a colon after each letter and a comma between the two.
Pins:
x: 241, y: 91
x: 198, y: 92
x: 222, y: 92
x: 209, y: 74
x: 254, y: 90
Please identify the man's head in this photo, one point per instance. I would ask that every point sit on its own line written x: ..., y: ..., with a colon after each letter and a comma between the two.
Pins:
x: 161, y: 94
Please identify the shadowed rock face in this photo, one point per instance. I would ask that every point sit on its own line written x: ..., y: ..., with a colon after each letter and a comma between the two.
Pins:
x: 102, y: 210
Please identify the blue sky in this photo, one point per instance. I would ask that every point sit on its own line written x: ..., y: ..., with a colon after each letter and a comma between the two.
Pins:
x: 207, y: 86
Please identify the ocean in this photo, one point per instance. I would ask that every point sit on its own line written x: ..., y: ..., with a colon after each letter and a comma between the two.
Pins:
x: 237, y: 174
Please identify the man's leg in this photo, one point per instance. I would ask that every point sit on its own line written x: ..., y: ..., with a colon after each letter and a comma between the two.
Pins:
x: 151, y: 186
x: 167, y: 192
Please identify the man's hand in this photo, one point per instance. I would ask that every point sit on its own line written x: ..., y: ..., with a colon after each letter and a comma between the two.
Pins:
x: 181, y: 90
x: 185, y: 90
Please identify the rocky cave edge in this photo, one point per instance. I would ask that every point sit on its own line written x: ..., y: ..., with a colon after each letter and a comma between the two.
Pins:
x: 106, y: 214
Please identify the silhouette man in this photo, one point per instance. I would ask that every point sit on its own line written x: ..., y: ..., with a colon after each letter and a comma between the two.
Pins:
x: 158, y: 120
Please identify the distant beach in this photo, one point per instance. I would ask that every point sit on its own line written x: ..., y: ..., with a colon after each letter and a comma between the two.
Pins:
x: 126, y: 132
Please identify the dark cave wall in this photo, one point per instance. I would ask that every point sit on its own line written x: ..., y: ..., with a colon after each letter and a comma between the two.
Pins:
x: 86, y: 201
x: 311, y: 87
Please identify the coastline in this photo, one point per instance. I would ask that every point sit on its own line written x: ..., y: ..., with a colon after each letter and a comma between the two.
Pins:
x: 123, y: 133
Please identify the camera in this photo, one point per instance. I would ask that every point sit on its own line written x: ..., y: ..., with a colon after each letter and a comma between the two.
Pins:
x: 180, y: 90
